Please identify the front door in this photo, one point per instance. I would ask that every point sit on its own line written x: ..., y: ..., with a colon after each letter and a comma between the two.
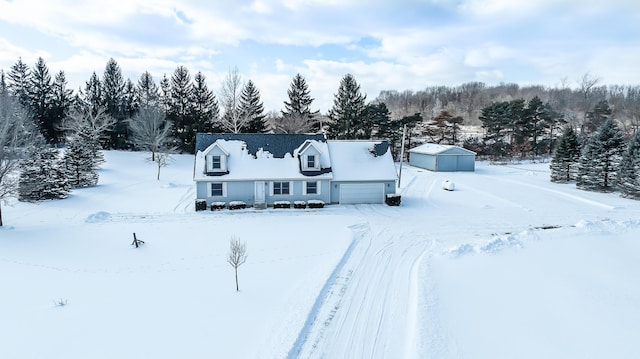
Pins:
x: 260, y: 192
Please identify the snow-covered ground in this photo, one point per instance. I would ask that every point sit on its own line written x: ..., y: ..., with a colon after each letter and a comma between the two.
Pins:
x: 508, y: 265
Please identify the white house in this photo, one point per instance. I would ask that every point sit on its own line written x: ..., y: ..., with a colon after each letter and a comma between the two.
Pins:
x: 261, y: 169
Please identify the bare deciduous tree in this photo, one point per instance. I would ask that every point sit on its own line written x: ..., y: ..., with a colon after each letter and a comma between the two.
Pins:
x: 237, y: 256
x: 233, y: 119
x: 150, y: 129
x: 294, y: 123
x: 163, y: 158
x: 17, y: 131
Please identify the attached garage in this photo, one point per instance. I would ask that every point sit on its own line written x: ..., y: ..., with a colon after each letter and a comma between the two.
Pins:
x: 442, y: 158
x: 356, y: 193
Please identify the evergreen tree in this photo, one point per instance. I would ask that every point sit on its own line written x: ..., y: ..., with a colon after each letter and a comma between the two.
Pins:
x: 19, y: 82
x: 205, y: 108
x: 79, y: 163
x: 93, y: 96
x: 299, y: 104
x: 180, y: 108
x: 347, y: 114
x: 42, y: 177
x: 629, y: 173
x: 61, y: 101
x: 147, y: 90
x: 495, y: 120
x: 600, y: 158
x: 252, y: 109
x: 596, y: 117
x: 113, y: 85
x: 41, y: 98
x: 445, y: 127
x: 565, y: 160
x: 165, y: 93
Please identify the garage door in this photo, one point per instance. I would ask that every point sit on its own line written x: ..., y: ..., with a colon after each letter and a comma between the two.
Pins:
x: 361, y: 193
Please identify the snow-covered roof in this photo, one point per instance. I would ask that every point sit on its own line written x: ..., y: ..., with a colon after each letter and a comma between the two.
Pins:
x: 262, y: 165
x: 361, y: 161
x: 435, y: 149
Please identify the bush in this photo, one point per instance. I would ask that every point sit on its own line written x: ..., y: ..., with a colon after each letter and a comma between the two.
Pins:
x: 216, y: 206
x: 237, y: 205
x: 315, y: 204
x: 201, y: 204
x: 300, y: 204
x: 281, y: 204
x: 393, y: 199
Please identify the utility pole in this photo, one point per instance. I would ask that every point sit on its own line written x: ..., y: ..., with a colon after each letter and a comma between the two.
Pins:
x: 404, y: 130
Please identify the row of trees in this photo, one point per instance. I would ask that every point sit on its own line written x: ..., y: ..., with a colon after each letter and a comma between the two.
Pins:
x: 606, y: 162
x: 170, y: 113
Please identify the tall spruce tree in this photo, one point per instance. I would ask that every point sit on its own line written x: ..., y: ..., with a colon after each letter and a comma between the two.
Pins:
x: 564, y: 163
x: 93, y: 96
x: 42, y: 176
x: 18, y: 82
x: 205, y: 108
x: 113, y: 85
x: 348, y: 120
x: 180, y: 108
x: 252, y: 108
x: 600, y: 158
x: 61, y: 101
x: 629, y: 172
x: 41, y: 98
x: 79, y: 163
x: 147, y: 90
x: 300, y: 100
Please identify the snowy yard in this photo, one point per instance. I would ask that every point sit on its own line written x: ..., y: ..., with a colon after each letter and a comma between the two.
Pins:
x: 508, y: 265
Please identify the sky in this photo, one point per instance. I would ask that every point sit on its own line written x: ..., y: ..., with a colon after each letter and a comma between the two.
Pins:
x: 386, y: 45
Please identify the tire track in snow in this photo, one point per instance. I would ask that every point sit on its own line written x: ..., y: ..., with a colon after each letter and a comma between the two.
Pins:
x: 367, y: 304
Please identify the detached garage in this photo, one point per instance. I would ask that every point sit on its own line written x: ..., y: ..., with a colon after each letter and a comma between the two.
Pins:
x: 442, y: 158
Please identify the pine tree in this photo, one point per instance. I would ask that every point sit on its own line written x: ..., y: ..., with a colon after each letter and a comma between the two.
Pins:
x: 79, y: 164
x: 205, y: 108
x: 42, y: 177
x: 19, y: 82
x: 629, y: 173
x: 61, y: 101
x: 600, y: 158
x: 347, y: 114
x: 445, y: 127
x: 41, y: 98
x: 299, y: 104
x: 181, y: 108
x: 147, y: 90
x: 252, y: 109
x: 93, y: 96
x: 113, y: 85
x: 565, y: 160
x: 596, y: 117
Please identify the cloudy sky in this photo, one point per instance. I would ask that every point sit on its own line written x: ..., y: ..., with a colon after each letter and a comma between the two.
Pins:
x: 385, y: 44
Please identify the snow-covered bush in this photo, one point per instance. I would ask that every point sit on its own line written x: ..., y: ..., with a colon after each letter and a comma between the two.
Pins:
x: 393, y: 199
x: 201, y: 205
x: 315, y: 203
x: 237, y: 205
x: 216, y: 206
x: 281, y: 204
x: 300, y: 204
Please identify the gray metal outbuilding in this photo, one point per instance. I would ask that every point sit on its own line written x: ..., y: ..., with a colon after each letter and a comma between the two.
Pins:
x: 442, y: 158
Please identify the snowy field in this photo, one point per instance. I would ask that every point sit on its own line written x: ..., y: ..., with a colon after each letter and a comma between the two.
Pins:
x: 508, y: 265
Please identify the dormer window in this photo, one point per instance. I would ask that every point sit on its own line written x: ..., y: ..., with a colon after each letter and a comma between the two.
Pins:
x: 216, y: 162
x: 311, y: 161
